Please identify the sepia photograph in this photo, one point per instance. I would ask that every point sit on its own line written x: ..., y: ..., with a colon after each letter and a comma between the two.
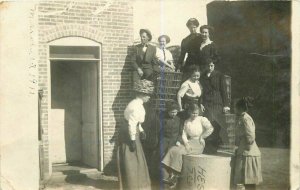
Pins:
x: 149, y: 95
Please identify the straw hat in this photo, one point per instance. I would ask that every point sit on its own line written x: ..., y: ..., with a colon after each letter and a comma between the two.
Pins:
x: 166, y: 37
x: 144, y: 86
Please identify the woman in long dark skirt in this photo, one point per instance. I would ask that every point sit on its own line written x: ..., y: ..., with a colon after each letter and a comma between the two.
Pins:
x: 133, y: 170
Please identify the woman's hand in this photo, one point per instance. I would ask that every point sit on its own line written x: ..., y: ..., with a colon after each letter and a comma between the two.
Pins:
x: 140, y: 72
x: 132, y: 146
x: 202, y: 108
x: 226, y: 109
x: 143, y: 135
x: 187, y: 147
x: 172, y: 67
x: 202, y: 141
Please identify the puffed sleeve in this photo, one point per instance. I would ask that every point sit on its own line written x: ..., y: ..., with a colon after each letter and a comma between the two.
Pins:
x: 134, y: 116
x: 208, y: 128
x: 182, y: 53
x: 183, y: 89
x: 249, y: 130
x: 184, y: 135
x: 169, y: 55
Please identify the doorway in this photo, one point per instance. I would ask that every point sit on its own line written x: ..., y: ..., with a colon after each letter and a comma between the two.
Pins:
x: 74, y: 127
x: 74, y: 112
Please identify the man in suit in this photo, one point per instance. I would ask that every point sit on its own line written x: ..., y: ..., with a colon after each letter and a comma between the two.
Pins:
x: 143, y: 59
x: 215, y: 101
x: 190, y: 45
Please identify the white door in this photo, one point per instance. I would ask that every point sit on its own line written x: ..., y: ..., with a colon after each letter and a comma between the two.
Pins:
x: 57, y: 136
x: 89, y: 115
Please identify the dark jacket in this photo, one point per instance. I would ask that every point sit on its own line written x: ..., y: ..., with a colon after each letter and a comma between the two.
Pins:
x: 144, y: 60
x: 170, y: 132
x: 191, y: 46
x: 214, y: 94
x: 208, y: 51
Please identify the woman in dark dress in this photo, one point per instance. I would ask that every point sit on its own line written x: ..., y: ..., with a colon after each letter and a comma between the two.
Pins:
x: 170, y: 131
x: 215, y: 101
x: 190, y: 47
x: 208, y: 48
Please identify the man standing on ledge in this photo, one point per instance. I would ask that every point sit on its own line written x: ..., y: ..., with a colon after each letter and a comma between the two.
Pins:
x: 143, y: 59
x: 190, y: 45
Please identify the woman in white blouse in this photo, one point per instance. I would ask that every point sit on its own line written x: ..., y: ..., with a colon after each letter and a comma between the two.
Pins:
x: 133, y: 170
x: 196, y: 128
x: 190, y: 90
x: 164, y: 56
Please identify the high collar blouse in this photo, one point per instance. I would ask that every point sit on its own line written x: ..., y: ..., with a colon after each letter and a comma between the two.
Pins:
x: 135, y: 115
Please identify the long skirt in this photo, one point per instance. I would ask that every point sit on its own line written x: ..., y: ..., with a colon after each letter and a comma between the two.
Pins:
x: 133, y: 170
x: 247, y: 170
x: 173, y: 158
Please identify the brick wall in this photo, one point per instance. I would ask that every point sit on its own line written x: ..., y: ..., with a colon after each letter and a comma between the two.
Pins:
x: 107, y: 22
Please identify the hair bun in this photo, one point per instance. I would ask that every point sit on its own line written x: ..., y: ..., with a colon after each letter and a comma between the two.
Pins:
x: 248, y: 101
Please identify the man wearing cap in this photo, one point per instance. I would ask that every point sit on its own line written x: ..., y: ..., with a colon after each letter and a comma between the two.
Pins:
x: 190, y: 46
x: 144, y: 57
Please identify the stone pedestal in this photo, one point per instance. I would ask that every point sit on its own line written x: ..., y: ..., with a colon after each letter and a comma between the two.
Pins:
x: 205, y: 172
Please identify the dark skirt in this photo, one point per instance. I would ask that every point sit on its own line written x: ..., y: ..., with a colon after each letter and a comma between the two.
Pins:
x: 186, y: 101
x: 133, y: 170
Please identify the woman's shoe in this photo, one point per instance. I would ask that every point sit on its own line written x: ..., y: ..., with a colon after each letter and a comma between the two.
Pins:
x: 173, y: 181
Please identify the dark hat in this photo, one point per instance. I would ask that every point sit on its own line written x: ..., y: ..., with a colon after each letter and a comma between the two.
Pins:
x: 144, y: 86
x: 147, y: 32
x: 192, y: 21
x: 166, y: 37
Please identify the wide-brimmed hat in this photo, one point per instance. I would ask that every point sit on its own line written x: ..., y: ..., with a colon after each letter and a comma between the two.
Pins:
x: 166, y: 37
x: 147, y: 32
x: 144, y: 86
x: 192, y: 21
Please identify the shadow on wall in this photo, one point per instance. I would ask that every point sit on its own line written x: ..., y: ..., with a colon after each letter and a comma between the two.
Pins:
x: 123, y: 97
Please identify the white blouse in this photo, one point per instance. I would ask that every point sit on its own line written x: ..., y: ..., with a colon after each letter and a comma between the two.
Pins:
x: 198, y: 128
x: 160, y: 55
x: 135, y: 115
x: 191, y: 89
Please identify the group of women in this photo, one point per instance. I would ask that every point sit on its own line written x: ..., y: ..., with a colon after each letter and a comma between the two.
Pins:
x: 190, y: 124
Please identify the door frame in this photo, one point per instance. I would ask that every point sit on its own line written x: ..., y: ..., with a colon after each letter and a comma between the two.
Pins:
x: 79, y: 41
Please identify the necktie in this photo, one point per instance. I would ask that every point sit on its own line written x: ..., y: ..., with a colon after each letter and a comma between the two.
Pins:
x: 164, y: 54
